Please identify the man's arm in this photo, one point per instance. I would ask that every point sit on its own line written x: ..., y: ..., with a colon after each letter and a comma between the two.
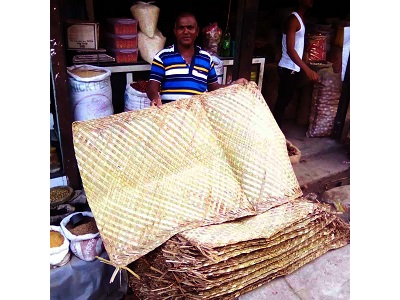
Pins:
x: 291, y: 29
x: 153, y: 92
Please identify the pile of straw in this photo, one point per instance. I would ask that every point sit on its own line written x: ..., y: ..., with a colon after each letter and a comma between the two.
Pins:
x: 227, y: 260
x: 156, y: 172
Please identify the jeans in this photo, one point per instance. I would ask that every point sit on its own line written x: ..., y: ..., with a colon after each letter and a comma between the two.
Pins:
x: 287, y: 84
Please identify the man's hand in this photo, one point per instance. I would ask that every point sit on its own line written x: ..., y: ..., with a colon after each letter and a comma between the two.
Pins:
x: 312, y: 75
x: 156, y: 102
x: 240, y: 81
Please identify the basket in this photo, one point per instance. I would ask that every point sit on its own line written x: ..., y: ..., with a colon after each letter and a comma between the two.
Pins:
x: 295, y: 158
x: 65, y: 193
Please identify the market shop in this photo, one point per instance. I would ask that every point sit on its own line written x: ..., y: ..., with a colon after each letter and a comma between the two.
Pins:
x: 101, y: 56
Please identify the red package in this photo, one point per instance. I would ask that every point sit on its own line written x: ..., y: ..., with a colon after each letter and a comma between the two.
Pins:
x: 316, y: 47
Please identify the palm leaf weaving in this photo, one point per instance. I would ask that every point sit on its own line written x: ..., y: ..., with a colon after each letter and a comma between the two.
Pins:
x: 156, y: 172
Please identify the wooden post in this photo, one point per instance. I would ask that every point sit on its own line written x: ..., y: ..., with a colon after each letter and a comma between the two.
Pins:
x: 343, y: 106
x: 58, y: 72
x: 245, y: 38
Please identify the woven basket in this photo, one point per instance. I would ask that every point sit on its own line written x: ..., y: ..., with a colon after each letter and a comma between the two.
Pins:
x: 294, y: 159
x: 153, y: 173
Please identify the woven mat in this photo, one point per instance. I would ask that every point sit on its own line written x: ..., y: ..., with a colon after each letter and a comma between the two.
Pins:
x: 153, y: 173
x: 183, y: 269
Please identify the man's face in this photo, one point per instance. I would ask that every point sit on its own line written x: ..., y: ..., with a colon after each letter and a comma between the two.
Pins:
x: 186, y: 30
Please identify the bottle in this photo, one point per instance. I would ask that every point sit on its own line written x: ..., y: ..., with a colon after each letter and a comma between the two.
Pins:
x: 226, y: 44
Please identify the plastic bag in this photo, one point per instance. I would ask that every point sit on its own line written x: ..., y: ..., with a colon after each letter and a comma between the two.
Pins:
x: 86, y: 246
x: 135, y: 96
x: 147, y: 16
x: 148, y: 47
x: 59, y: 255
x: 212, y: 38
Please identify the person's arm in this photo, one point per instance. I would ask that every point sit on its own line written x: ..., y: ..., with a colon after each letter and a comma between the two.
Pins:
x: 153, y: 92
x: 291, y: 29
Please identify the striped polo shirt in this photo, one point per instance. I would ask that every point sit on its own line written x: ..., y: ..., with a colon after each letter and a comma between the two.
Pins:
x: 179, y: 79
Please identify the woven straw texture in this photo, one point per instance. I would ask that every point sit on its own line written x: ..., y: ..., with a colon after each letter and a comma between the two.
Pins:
x: 199, y: 264
x: 153, y: 173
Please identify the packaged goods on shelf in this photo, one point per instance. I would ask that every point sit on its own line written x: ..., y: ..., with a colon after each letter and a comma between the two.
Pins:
x: 124, y: 55
x: 122, y: 25
x: 122, y: 41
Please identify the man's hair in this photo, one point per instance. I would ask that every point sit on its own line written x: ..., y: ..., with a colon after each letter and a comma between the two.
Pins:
x: 184, y: 14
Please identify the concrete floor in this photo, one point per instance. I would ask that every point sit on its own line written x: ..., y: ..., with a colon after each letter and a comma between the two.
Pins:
x: 327, y: 277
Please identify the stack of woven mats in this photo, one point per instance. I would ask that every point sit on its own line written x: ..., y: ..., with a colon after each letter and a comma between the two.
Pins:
x: 154, y: 175
x: 227, y: 260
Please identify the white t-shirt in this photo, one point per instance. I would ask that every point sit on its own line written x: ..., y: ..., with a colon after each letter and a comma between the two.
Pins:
x: 286, y: 61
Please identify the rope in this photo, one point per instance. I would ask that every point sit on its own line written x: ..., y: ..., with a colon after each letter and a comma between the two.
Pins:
x: 117, y: 269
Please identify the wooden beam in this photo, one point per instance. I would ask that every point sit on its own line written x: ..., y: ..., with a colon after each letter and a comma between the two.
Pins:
x: 343, y: 106
x: 246, y: 25
x: 59, y: 75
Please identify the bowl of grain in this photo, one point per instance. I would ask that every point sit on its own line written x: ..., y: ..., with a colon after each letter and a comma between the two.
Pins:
x: 60, y: 195
x: 293, y: 152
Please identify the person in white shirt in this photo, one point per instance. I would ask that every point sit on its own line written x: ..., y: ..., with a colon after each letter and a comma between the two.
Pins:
x: 291, y: 61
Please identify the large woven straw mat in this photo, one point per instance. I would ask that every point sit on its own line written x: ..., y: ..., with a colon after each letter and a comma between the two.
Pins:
x: 207, y: 159
x: 265, y: 225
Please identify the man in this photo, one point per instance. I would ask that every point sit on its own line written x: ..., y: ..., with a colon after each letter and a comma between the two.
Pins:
x: 291, y: 61
x: 183, y: 69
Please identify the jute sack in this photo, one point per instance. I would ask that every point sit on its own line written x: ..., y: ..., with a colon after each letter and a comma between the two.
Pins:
x: 325, y: 102
x: 207, y: 159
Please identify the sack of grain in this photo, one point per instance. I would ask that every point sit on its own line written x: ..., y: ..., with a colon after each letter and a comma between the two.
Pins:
x: 59, y: 247
x: 135, y: 96
x: 219, y: 68
x: 147, y: 16
x: 90, y: 90
x: 325, y: 102
x: 85, y: 240
x: 148, y: 47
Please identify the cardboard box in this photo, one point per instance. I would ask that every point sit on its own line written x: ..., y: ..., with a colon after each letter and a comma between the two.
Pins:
x: 82, y: 35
